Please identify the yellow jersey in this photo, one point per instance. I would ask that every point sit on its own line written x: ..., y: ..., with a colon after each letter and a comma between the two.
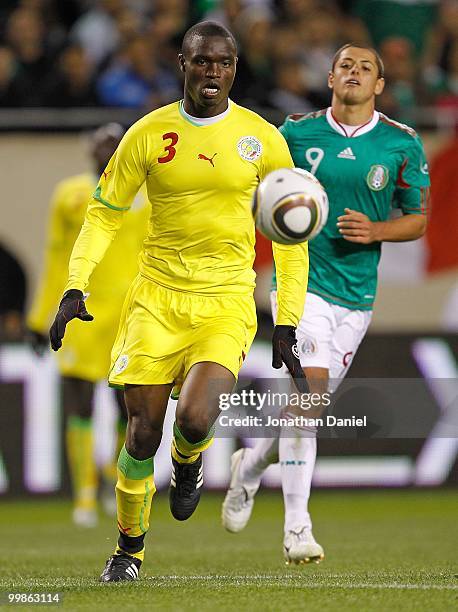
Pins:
x: 112, y: 278
x: 200, y: 180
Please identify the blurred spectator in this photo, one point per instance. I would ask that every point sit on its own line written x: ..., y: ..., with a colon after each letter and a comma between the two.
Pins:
x: 290, y: 92
x: 254, y: 68
x: 26, y: 36
x: 391, y: 18
x: 199, y: 8
x: 398, y: 99
x: 285, y: 43
x: 449, y: 97
x: 13, y: 88
x: 439, y: 60
x: 178, y: 10
x: 129, y: 24
x: 320, y: 37
x: 71, y: 84
x: 135, y: 79
x: 57, y: 49
x: 12, y: 296
x: 293, y: 11
x: 226, y: 13
x: 166, y: 29
x: 96, y: 30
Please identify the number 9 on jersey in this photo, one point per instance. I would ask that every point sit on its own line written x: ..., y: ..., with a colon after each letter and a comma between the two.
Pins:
x: 290, y: 206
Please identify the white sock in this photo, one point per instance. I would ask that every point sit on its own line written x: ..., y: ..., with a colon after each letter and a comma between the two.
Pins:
x: 297, y: 460
x: 257, y: 459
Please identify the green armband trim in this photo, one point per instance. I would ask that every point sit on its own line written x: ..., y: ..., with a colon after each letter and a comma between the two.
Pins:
x: 99, y: 198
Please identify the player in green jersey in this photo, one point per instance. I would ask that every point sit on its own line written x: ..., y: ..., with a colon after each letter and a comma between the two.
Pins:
x: 368, y: 164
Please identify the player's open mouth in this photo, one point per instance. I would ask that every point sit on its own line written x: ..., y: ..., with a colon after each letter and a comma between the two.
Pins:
x: 210, y: 91
x: 352, y: 82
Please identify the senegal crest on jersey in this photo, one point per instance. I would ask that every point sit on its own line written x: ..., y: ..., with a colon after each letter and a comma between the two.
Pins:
x: 377, y: 177
x: 249, y: 148
x: 121, y: 364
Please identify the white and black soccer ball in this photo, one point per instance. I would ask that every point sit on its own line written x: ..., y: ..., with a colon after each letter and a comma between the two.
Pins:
x: 290, y: 206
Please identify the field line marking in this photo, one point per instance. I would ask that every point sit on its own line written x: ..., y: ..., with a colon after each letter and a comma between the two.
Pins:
x: 287, y: 581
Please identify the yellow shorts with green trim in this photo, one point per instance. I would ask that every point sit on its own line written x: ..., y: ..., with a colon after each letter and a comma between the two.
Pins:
x: 87, y: 346
x: 163, y: 333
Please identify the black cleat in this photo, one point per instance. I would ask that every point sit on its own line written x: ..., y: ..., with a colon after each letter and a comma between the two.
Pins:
x: 120, y: 567
x: 184, y: 493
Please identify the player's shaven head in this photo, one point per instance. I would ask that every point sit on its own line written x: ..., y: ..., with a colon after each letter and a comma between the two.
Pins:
x: 103, y: 143
x: 109, y: 130
x: 206, y: 29
x: 378, y: 59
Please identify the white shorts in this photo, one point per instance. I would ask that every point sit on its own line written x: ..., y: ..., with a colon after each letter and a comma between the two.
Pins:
x: 328, y: 335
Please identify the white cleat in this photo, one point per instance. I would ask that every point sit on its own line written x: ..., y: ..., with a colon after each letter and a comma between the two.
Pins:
x: 299, y: 546
x: 239, y: 500
x: 85, y: 518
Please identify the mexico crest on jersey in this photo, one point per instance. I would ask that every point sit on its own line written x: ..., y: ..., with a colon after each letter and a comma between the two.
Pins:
x: 249, y: 148
x: 377, y: 177
x: 308, y: 346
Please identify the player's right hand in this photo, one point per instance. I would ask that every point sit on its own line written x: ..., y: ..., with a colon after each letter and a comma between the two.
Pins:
x: 71, y: 307
x: 284, y: 351
x: 38, y: 342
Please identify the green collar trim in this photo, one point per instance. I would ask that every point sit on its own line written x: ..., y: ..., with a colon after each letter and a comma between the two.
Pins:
x: 185, y: 117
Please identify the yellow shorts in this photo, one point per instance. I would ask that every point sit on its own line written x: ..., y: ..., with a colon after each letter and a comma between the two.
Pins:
x: 86, y: 347
x: 163, y: 333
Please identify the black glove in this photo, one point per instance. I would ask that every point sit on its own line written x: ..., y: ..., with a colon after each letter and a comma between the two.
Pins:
x: 39, y: 343
x: 284, y: 350
x: 71, y: 307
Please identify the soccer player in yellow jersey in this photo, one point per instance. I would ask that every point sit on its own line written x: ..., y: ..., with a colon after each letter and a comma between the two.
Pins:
x: 189, y: 317
x: 85, y: 358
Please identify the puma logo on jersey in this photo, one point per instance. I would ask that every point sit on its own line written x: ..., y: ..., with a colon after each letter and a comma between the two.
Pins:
x: 209, y: 159
x: 347, y: 154
x: 106, y: 173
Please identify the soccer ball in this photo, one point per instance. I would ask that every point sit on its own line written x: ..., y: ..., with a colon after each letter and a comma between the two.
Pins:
x: 290, y: 206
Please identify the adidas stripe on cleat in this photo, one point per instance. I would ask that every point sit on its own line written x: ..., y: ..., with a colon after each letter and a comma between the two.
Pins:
x: 185, y: 486
x: 121, y: 567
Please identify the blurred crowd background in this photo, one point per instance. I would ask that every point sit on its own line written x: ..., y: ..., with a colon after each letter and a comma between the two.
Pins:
x: 72, y: 65
x: 122, y: 53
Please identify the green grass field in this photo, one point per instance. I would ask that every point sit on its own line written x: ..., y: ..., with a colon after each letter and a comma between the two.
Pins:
x: 384, y: 550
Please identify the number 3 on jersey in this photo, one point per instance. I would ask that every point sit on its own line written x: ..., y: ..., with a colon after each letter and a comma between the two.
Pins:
x: 170, y: 148
x: 314, y: 156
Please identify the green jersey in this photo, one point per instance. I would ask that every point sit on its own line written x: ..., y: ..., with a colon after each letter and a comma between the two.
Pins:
x: 378, y: 167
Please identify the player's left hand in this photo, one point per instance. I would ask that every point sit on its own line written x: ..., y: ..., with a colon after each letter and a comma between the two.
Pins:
x: 355, y: 226
x: 284, y: 351
x: 71, y: 307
